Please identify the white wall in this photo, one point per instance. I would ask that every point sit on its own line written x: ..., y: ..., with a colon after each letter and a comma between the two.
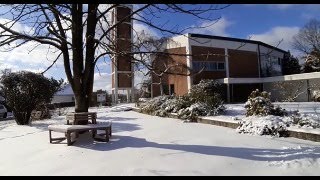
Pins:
x: 177, y: 41
x: 276, y: 94
x: 267, y: 56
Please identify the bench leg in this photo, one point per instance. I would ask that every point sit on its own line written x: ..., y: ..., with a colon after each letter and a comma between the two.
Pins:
x: 94, y: 133
x: 107, y: 134
x: 68, y: 139
x: 53, y: 140
x: 50, y: 137
x: 110, y: 131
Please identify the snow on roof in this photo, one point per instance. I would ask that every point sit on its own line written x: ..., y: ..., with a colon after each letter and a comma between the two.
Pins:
x: 65, y: 91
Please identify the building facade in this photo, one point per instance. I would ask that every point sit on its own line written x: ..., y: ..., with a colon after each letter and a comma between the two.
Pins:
x: 65, y: 95
x: 196, y: 56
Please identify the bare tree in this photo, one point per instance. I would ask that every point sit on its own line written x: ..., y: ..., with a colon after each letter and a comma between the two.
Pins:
x: 291, y: 90
x: 81, y: 34
x: 308, y: 38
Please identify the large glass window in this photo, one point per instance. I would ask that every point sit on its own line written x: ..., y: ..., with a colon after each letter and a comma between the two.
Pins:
x: 212, y: 66
x: 221, y: 66
x: 208, y: 66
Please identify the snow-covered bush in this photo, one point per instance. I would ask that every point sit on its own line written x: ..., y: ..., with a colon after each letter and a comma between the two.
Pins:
x: 25, y: 91
x: 312, y: 62
x: 278, y: 111
x: 259, y: 104
x: 208, y: 93
x: 153, y: 105
x: 191, y: 113
x: 204, y: 99
x: 316, y: 96
x: 264, y: 125
x: 306, y: 120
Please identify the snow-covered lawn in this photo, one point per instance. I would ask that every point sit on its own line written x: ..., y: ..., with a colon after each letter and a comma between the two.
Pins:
x: 149, y: 145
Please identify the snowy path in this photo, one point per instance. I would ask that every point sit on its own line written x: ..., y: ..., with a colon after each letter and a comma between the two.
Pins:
x: 147, y: 145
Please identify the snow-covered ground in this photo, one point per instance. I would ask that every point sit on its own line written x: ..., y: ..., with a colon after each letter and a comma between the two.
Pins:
x: 149, y: 145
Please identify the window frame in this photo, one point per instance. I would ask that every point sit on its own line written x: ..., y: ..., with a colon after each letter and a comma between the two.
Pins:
x: 197, y: 66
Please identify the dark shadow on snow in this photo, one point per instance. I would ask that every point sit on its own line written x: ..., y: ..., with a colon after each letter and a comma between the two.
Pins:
x: 119, y: 142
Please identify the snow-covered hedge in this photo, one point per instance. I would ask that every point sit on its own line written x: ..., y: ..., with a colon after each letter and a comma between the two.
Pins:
x: 277, y: 125
x: 259, y: 104
x: 262, y: 117
x: 203, y: 100
x: 264, y: 125
x: 316, y: 96
x: 153, y: 105
x: 306, y: 120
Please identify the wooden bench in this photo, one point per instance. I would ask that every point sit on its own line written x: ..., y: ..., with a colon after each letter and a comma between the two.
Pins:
x: 81, y: 118
x: 68, y: 129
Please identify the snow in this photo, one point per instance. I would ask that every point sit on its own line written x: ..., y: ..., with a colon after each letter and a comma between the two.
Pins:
x: 310, y: 111
x: 263, y: 125
x: 150, y: 145
x: 232, y: 112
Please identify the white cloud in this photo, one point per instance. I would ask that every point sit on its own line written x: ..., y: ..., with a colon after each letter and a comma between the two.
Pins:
x: 5, y: 65
x: 276, y: 34
x: 28, y: 54
x: 41, y: 55
x: 16, y: 26
x: 102, y: 81
x: 219, y: 28
x: 138, y: 27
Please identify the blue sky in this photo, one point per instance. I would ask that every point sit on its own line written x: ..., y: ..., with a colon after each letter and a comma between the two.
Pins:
x: 267, y: 23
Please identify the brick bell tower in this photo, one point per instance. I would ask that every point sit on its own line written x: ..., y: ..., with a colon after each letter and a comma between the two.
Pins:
x: 122, y: 68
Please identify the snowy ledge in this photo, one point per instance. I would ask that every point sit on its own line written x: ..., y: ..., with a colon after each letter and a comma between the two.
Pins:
x: 304, y: 130
x: 218, y: 122
x: 296, y: 132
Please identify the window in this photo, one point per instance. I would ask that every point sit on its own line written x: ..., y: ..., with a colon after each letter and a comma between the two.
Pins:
x: 221, y: 66
x: 212, y: 66
x: 196, y: 66
x: 172, y: 89
x: 279, y: 61
x: 165, y: 89
x: 208, y: 66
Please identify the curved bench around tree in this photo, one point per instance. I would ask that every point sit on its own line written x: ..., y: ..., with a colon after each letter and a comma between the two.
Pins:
x: 69, y: 129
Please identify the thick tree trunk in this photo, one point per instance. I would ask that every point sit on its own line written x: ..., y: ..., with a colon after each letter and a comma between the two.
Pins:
x: 22, y: 118
x: 81, y: 103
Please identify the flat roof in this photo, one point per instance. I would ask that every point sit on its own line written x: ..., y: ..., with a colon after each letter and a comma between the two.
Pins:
x: 292, y: 77
x: 237, y: 40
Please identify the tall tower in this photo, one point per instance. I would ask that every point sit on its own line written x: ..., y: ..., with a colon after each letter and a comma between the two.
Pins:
x: 122, y: 67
